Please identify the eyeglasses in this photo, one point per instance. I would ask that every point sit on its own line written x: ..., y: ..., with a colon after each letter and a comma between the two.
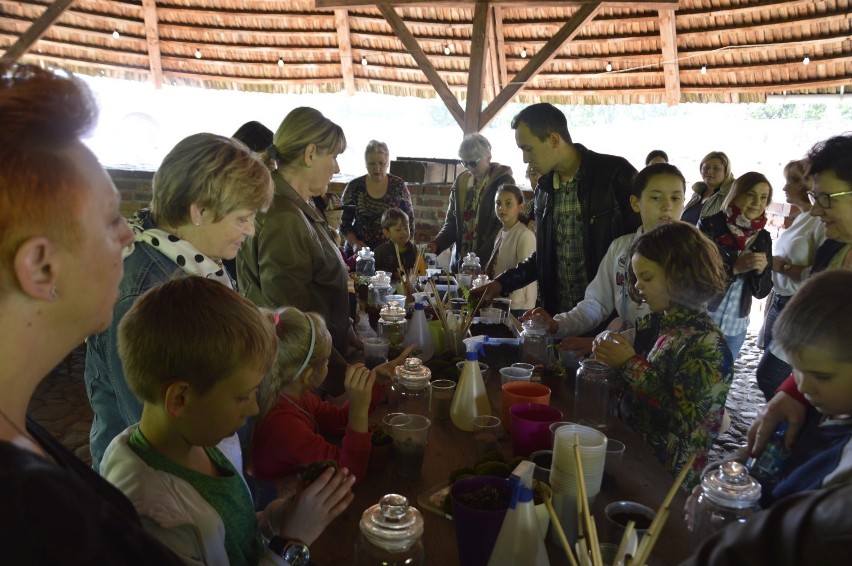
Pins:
x: 824, y: 199
x: 471, y: 164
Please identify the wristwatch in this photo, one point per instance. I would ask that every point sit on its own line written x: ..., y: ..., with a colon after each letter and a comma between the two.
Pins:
x: 294, y: 552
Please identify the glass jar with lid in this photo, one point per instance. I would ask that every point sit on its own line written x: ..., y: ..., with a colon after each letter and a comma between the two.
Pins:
x: 470, y: 268
x: 392, y: 326
x: 535, y: 342
x: 411, y: 390
x: 728, y: 495
x: 365, y: 264
x: 391, y: 534
x: 377, y: 293
x: 595, y: 395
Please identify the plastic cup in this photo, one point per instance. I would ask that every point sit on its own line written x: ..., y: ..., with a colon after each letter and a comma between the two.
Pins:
x: 521, y: 365
x: 530, y: 427
x: 442, y: 398
x: 400, y: 299
x: 514, y: 374
x: 409, y: 443
x: 618, y: 513
x: 504, y: 304
x: 375, y: 351
x: 486, y: 431
x: 454, y: 341
x: 521, y: 392
x: 614, y: 456
x: 554, y: 426
x: 491, y: 315
x: 563, y: 474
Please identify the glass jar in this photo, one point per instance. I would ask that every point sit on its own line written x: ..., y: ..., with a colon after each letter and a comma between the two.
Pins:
x: 411, y: 390
x: 470, y: 268
x: 480, y: 280
x: 365, y: 264
x: 535, y: 342
x: 377, y: 293
x: 595, y: 395
x: 391, y: 534
x: 392, y: 326
x: 728, y: 495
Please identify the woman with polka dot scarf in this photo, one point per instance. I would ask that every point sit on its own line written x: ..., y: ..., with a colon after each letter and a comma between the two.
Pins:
x: 205, y: 196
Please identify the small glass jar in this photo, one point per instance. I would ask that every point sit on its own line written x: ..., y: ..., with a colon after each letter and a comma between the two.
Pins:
x: 392, y: 326
x: 411, y: 390
x: 391, y: 534
x: 535, y: 342
x: 365, y: 264
x: 595, y: 395
x: 728, y: 495
x: 377, y: 293
x: 470, y: 269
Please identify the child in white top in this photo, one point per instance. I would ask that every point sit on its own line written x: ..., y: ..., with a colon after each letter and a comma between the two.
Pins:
x: 513, y: 244
x: 658, y: 196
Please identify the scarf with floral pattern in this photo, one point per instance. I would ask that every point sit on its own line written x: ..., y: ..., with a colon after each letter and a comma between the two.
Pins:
x: 741, y: 230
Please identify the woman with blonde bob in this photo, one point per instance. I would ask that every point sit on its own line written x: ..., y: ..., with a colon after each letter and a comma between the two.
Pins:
x: 205, y: 196
x: 61, y: 239
x: 709, y: 194
x: 292, y: 260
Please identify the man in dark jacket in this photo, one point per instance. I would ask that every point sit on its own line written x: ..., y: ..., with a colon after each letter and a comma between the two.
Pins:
x: 581, y: 205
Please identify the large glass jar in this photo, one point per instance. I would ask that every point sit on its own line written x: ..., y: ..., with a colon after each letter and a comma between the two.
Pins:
x: 535, y: 342
x: 595, y: 395
x: 391, y: 534
x: 377, y: 293
x: 728, y: 495
x: 365, y: 264
x: 392, y: 326
x: 411, y: 390
x: 470, y: 268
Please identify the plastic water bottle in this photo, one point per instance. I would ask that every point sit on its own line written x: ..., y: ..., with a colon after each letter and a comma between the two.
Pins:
x: 418, y: 333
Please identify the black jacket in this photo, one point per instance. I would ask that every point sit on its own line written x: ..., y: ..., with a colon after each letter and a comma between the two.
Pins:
x: 604, y: 195
x: 757, y: 285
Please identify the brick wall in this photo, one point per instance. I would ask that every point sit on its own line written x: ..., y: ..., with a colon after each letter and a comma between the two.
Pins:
x: 429, y: 201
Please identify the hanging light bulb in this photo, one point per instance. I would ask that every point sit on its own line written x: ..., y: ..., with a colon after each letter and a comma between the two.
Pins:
x: 364, y: 60
x: 806, y: 60
x: 608, y: 66
x: 280, y: 61
x: 523, y: 52
x: 446, y: 50
x: 703, y: 69
x: 115, y: 34
x: 198, y: 54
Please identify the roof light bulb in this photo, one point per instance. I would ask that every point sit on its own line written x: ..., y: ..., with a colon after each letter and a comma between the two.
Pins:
x: 446, y: 50
x: 280, y: 61
x: 198, y: 54
x: 806, y: 60
x: 523, y: 52
x: 608, y: 66
x: 364, y: 60
x: 703, y: 69
x: 115, y: 34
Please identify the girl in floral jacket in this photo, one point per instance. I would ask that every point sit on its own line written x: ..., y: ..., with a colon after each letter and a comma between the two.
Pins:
x: 676, y: 394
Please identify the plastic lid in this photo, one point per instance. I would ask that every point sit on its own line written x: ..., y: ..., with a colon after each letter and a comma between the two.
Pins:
x: 535, y: 325
x: 392, y: 312
x: 413, y: 373
x: 730, y: 485
x: 392, y: 523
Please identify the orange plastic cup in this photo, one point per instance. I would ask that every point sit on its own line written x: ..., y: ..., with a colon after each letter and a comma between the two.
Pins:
x: 522, y: 392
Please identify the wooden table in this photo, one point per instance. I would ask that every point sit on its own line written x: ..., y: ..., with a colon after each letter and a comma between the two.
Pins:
x: 642, y: 479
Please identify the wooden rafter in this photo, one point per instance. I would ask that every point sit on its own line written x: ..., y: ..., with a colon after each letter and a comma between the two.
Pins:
x: 585, y: 13
x: 344, y: 42
x: 671, y: 68
x: 478, y: 44
x: 152, y: 37
x: 414, y: 49
x: 653, y: 5
x: 498, y: 52
x: 35, y: 31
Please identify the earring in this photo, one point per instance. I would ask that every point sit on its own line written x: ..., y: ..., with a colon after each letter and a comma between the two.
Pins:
x: 198, y: 223
x: 53, y: 293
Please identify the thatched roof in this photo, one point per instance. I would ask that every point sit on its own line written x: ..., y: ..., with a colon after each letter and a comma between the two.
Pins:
x: 581, y: 51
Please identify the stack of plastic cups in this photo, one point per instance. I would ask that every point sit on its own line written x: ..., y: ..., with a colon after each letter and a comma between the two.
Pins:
x: 563, y: 474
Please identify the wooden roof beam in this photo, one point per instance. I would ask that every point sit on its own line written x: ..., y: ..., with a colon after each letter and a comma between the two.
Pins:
x: 500, y: 74
x: 344, y: 42
x: 478, y: 51
x: 585, y: 13
x: 152, y: 37
x: 414, y: 49
x: 35, y: 31
x: 652, y: 5
x: 671, y: 67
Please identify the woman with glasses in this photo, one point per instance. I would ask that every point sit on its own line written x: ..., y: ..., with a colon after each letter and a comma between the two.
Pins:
x: 791, y: 263
x: 366, y: 198
x: 709, y: 194
x: 471, y: 224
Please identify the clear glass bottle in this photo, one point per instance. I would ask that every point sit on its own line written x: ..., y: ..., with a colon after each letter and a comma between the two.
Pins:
x: 535, y: 342
x: 391, y: 534
x: 728, y: 495
x: 365, y: 264
x: 411, y: 390
x: 595, y: 395
x: 392, y: 326
x: 470, y: 268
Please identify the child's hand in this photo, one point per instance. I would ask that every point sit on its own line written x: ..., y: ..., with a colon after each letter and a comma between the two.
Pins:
x: 543, y: 315
x: 385, y: 372
x: 781, y: 408
x: 358, y: 383
x: 613, y: 350
x: 313, y: 508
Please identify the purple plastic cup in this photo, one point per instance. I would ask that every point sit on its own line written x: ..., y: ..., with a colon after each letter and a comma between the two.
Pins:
x: 531, y: 427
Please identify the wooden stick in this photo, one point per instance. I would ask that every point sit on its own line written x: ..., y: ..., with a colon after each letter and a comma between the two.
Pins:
x: 554, y: 519
x: 662, y: 514
x: 625, y: 540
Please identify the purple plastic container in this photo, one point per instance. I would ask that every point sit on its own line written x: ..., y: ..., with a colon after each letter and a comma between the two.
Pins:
x: 531, y: 427
x: 477, y: 530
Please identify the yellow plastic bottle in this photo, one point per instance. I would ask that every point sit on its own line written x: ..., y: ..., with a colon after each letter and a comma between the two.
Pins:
x: 470, y: 399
